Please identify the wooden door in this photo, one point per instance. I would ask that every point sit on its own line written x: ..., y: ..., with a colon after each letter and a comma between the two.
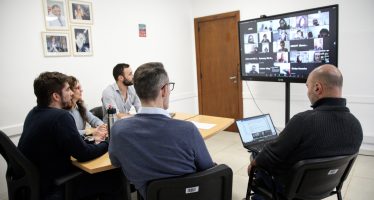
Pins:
x: 218, y: 71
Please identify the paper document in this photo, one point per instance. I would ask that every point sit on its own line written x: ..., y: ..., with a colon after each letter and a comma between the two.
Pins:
x: 203, y: 125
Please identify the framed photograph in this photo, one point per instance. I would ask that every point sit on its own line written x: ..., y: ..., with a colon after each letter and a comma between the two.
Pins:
x: 82, y: 40
x: 56, y: 44
x: 80, y: 12
x: 55, y: 15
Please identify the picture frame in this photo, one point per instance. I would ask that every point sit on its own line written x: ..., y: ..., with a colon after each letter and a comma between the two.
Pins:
x: 82, y: 40
x: 80, y: 12
x: 56, y: 44
x: 55, y: 15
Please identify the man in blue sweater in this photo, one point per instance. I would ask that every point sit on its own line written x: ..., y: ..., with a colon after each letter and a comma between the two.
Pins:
x: 151, y: 145
x: 330, y: 129
x: 50, y: 137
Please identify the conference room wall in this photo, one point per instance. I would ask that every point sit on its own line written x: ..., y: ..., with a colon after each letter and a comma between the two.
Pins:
x: 355, y: 58
x: 114, y: 39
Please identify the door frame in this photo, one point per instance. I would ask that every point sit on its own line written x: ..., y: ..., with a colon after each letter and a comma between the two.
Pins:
x: 236, y: 15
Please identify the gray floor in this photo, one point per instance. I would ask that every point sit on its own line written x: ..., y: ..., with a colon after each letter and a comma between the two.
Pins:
x: 227, y: 148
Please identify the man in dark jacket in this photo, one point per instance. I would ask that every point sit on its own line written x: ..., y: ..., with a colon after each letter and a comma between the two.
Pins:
x: 327, y: 130
x: 50, y: 136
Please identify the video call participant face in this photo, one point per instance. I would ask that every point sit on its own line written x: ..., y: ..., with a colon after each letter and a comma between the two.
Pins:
x: 300, y: 34
x: 282, y: 24
x: 315, y: 22
x: 283, y: 35
x: 323, y: 33
x: 317, y: 57
x: 250, y: 39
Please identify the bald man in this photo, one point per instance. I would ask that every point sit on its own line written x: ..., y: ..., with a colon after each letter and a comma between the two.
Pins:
x: 327, y: 130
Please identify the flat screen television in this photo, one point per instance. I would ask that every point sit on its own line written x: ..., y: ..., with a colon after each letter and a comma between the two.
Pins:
x: 287, y: 47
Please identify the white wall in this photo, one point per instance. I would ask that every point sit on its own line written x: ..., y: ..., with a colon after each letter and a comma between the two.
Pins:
x: 115, y: 39
x: 356, y: 44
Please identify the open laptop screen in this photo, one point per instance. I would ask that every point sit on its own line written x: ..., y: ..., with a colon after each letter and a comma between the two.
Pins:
x: 255, y: 129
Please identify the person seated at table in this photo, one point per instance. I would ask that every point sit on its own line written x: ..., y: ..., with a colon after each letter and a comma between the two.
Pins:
x: 120, y: 95
x: 82, y: 115
x: 50, y: 137
x: 330, y: 129
x: 151, y: 145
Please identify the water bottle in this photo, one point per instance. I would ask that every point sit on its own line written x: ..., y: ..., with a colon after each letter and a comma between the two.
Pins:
x: 111, y: 119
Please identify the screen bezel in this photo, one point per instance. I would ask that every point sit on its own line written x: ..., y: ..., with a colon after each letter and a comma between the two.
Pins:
x: 285, y: 15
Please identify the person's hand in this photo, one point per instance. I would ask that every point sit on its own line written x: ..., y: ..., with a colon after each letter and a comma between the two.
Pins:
x: 103, y: 127
x: 100, y: 133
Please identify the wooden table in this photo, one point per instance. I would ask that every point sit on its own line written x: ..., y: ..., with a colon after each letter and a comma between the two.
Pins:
x: 221, y: 124
x: 103, y: 163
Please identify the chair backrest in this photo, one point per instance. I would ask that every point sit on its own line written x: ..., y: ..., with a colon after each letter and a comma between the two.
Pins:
x: 98, y: 112
x: 214, y: 183
x: 318, y: 178
x: 22, y: 176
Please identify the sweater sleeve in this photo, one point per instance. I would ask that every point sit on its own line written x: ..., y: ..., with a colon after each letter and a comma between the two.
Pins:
x: 71, y: 141
x: 203, y: 160
x: 275, y: 154
x: 93, y: 120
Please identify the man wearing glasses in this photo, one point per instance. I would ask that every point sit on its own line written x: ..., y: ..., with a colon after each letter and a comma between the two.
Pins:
x: 151, y: 145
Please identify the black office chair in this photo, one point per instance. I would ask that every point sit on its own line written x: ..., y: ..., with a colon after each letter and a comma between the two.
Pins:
x: 22, y: 176
x: 214, y: 183
x: 308, y: 179
x: 98, y: 112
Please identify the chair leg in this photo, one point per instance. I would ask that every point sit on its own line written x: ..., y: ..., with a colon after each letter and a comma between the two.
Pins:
x: 139, y: 197
x: 339, y: 194
x: 69, y: 191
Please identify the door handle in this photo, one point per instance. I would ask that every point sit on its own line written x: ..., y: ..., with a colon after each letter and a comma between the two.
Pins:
x: 232, y: 77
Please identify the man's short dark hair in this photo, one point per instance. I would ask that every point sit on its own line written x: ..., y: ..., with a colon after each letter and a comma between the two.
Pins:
x: 118, y: 70
x: 46, y: 84
x: 149, y: 78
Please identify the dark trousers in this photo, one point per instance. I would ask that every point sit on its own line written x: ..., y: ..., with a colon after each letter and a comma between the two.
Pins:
x: 264, y: 179
x: 106, y: 185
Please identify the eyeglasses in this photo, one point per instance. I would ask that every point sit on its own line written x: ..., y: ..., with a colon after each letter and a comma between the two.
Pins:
x: 171, y: 85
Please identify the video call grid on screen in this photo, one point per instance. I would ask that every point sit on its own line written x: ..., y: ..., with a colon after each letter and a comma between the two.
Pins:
x: 289, y: 46
x: 257, y: 128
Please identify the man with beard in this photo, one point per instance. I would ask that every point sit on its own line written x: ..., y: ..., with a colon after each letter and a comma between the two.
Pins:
x: 120, y: 95
x: 50, y: 137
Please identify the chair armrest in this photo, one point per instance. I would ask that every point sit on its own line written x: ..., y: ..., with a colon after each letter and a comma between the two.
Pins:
x: 66, y: 178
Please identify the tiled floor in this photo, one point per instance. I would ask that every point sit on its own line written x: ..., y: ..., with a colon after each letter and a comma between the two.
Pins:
x: 227, y: 148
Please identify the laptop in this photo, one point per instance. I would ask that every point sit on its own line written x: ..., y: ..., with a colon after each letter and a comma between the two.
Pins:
x: 256, y: 132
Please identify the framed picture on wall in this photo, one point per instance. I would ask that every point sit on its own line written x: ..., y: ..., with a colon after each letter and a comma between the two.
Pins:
x: 82, y: 40
x: 56, y: 44
x: 55, y: 15
x: 80, y: 12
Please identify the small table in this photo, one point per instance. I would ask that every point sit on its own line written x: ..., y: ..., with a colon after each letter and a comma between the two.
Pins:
x: 103, y: 163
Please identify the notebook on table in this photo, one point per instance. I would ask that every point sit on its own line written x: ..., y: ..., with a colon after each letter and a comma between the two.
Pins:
x: 256, y: 132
